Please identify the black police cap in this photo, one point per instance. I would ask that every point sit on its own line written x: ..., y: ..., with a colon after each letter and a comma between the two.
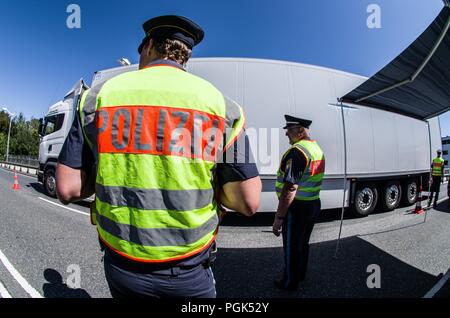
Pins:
x: 172, y: 27
x: 292, y: 121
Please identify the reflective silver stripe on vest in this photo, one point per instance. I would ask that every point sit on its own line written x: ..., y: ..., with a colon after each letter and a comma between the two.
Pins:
x: 233, y: 154
x: 157, y: 237
x: 89, y: 111
x: 306, y: 194
x: 154, y: 199
x: 311, y: 184
x: 302, y: 194
x: 232, y: 112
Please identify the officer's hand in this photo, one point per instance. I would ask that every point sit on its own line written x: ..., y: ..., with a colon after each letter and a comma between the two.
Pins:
x: 276, y: 227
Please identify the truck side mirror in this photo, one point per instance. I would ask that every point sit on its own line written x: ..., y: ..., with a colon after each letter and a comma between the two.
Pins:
x: 41, y: 128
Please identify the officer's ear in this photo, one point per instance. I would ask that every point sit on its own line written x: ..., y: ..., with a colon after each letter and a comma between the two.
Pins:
x: 148, y: 47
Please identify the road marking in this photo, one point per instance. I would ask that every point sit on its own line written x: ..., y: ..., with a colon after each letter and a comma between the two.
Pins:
x: 65, y: 207
x: 438, y: 286
x: 3, y: 292
x: 19, y: 278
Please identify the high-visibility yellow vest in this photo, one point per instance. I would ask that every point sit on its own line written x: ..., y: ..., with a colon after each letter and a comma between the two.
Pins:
x: 310, y: 182
x: 156, y: 134
x: 436, y: 170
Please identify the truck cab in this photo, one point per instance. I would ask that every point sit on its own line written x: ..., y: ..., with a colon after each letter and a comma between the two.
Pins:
x: 53, y: 131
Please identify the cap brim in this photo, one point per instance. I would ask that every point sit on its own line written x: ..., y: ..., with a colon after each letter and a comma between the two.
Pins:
x: 292, y: 126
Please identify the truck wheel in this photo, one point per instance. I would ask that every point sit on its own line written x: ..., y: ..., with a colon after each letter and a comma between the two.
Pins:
x: 392, y: 194
x: 411, y: 192
x: 50, y: 182
x: 366, y: 197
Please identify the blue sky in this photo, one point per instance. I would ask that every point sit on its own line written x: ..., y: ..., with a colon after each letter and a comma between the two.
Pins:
x: 40, y: 58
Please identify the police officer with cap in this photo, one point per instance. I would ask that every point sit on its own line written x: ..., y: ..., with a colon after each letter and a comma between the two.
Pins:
x: 437, y: 173
x: 158, y: 201
x: 299, y: 180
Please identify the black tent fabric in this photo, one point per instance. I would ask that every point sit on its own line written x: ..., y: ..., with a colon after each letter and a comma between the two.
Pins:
x: 395, y: 88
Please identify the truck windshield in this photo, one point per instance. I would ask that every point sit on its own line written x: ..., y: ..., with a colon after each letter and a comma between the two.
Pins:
x: 53, y: 123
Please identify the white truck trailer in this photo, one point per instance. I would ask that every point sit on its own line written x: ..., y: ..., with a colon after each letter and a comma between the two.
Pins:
x: 373, y: 157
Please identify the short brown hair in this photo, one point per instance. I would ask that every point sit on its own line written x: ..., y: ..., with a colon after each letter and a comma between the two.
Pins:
x: 174, y: 50
x: 302, y: 132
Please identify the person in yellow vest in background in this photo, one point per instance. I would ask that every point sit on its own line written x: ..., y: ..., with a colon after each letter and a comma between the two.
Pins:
x: 298, y: 187
x: 437, y: 173
x: 151, y: 145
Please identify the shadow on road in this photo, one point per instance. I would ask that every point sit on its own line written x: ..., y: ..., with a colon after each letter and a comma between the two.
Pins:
x: 444, y: 206
x: 249, y: 273
x: 55, y: 288
x: 38, y: 187
x: 266, y: 218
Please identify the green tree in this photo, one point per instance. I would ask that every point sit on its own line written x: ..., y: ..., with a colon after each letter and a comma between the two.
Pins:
x: 2, y: 145
x: 24, y: 137
x: 4, y: 122
x: 4, y: 125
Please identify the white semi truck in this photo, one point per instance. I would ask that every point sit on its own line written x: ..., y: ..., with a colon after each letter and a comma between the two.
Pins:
x: 373, y: 157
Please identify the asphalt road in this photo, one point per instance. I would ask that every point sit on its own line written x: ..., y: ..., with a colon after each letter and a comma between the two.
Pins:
x: 42, y: 246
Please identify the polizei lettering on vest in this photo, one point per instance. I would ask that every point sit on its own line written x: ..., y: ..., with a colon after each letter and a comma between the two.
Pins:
x: 160, y: 131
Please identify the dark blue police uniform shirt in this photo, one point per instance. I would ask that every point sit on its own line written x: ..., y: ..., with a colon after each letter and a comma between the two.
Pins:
x: 77, y: 154
x: 293, y: 165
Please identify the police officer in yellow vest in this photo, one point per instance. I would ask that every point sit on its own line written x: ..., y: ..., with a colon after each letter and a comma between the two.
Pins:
x: 298, y: 187
x: 437, y: 172
x: 150, y: 144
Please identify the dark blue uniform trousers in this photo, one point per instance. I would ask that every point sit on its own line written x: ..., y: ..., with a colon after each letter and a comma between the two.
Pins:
x: 173, y: 282
x: 297, y: 229
x: 435, y: 188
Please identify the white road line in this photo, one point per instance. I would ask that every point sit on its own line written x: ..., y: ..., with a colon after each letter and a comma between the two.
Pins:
x: 19, y: 278
x: 3, y: 292
x: 438, y: 286
x: 65, y: 207
x: 19, y: 173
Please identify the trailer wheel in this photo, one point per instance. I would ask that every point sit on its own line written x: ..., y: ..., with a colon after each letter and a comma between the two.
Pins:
x: 411, y: 192
x: 366, y: 197
x: 50, y: 182
x: 391, y: 196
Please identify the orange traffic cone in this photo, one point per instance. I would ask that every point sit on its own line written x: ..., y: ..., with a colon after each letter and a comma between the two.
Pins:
x: 418, y: 209
x: 16, y: 185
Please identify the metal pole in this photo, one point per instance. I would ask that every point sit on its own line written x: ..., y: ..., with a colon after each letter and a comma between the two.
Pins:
x: 345, y: 182
x: 9, y: 133
x: 429, y: 177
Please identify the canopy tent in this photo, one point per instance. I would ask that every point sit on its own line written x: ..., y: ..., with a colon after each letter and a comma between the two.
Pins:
x: 417, y: 82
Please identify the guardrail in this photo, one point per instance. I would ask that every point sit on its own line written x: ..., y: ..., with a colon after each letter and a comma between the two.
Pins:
x: 25, y: 161
x: 32, y: 170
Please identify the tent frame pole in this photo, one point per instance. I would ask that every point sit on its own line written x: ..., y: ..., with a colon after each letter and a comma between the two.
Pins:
x: 345, y: 181
x: 429, y: 176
